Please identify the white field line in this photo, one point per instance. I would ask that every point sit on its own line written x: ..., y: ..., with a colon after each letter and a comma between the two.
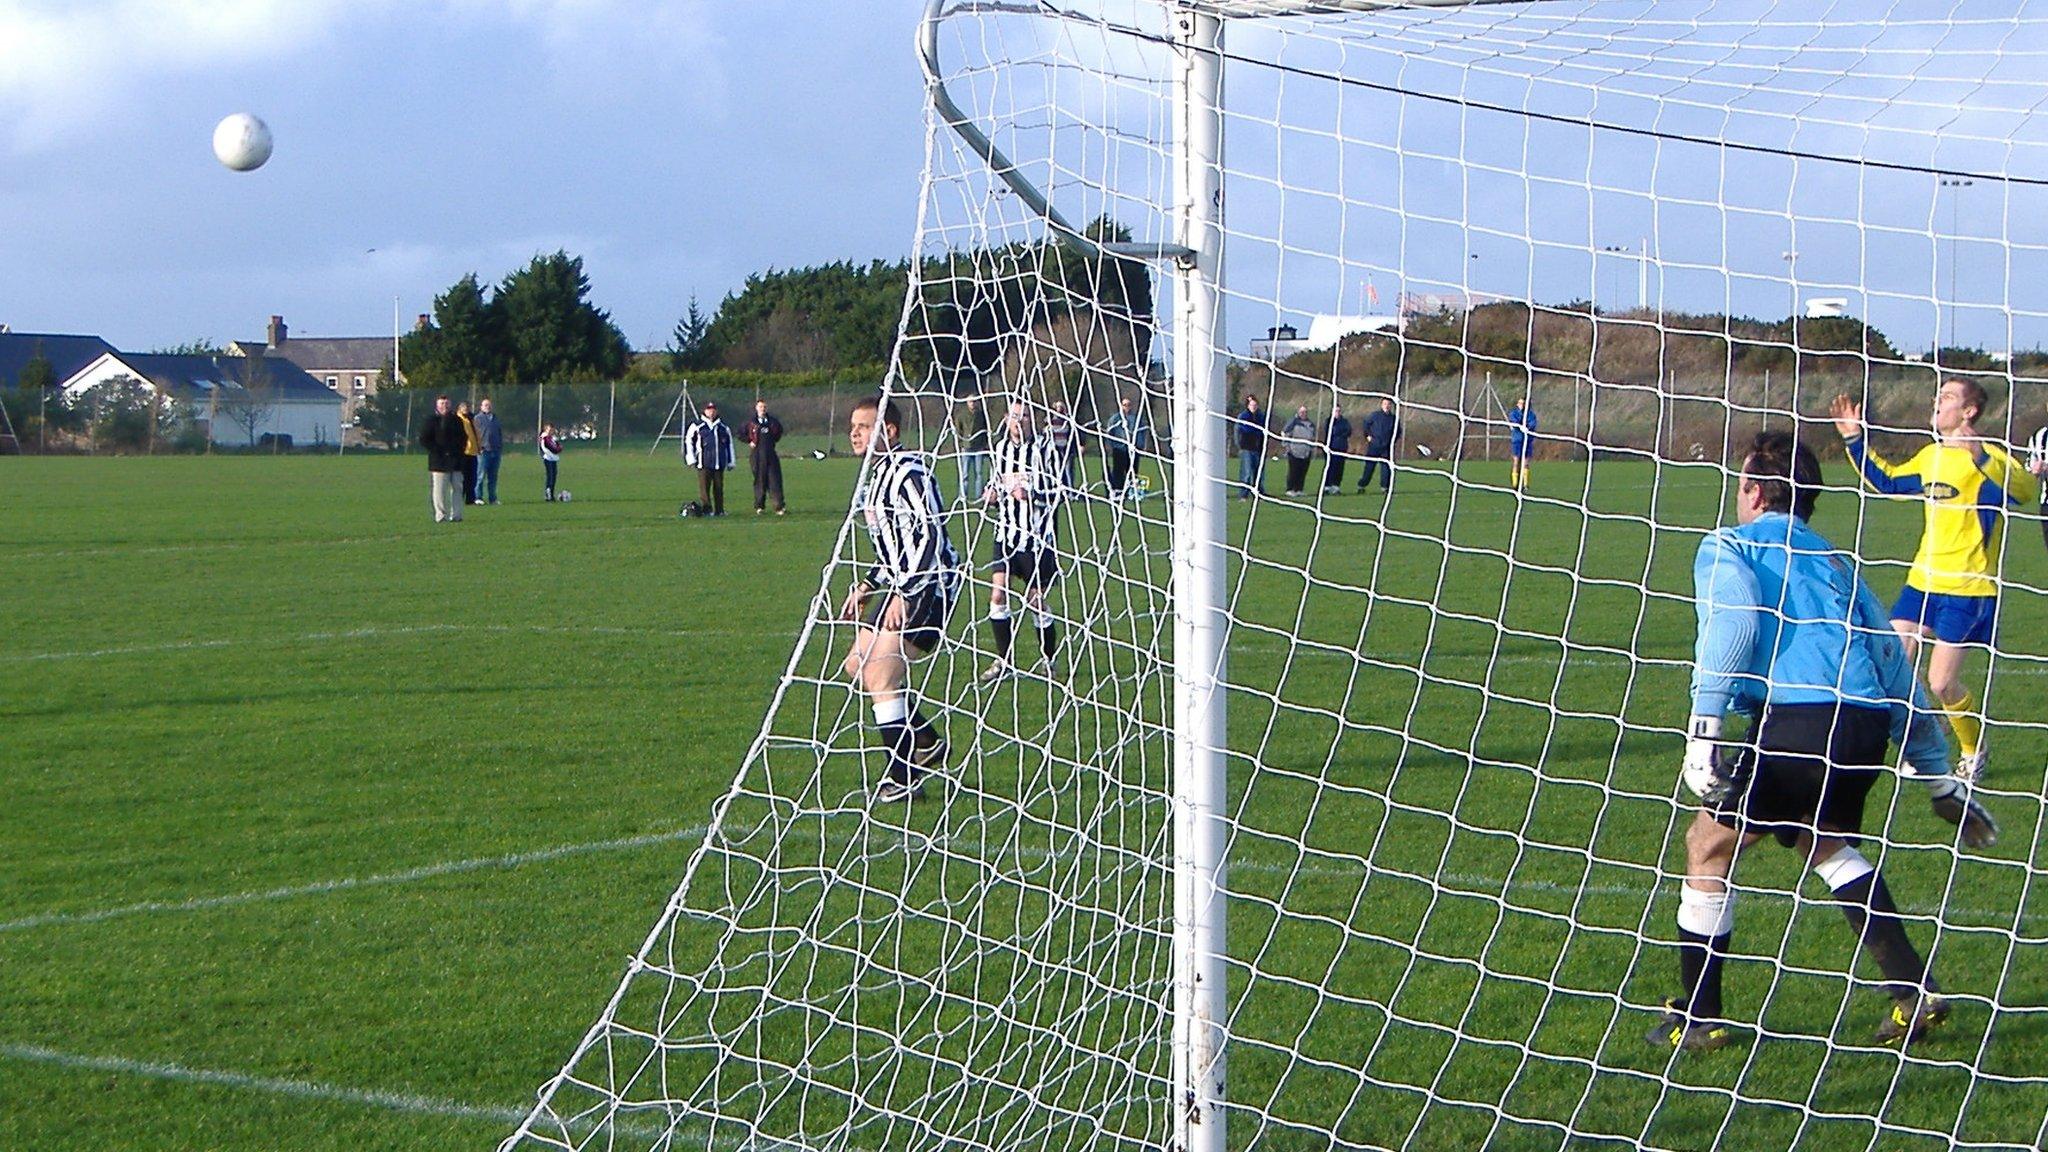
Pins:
x: 1459, y: 881
x: 274, y: 1085
x: 645, y: 1126
x: 351, y: 883
x: 373, y: 633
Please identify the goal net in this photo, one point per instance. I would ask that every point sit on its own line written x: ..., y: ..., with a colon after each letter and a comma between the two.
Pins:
x: 1352, y: 818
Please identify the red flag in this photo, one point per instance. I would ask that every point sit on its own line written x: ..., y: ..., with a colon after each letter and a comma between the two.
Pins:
x: 1372, y: 294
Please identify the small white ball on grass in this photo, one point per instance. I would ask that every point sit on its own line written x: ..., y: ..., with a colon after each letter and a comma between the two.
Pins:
x: 242, y: 142
x: 1424, y: 450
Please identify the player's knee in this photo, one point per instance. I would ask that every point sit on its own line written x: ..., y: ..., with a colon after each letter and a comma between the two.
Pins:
x: 1947, y: 687
x: 1707, y: 844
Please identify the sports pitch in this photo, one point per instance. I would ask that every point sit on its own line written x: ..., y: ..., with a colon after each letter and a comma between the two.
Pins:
x: 334, y: 828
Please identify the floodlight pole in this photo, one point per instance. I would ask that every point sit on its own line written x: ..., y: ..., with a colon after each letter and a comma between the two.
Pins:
x: 1200, y: 765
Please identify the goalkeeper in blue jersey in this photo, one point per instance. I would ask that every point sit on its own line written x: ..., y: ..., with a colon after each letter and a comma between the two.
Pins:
x: 1789, y: 634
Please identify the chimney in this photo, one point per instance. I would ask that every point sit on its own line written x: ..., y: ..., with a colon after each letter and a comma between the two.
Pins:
x: 276, y: 335
x: 422, y: 324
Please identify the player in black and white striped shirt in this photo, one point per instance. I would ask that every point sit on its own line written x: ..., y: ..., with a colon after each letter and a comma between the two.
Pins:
x: 903, y: 602
x: 1026, y: 488
x: 2037, y: 463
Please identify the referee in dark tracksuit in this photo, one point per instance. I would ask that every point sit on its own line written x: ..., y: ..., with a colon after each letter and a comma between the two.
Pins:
x: 762, y: 433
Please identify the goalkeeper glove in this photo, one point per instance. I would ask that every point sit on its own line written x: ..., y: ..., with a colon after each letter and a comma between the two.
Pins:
x: 1951, y: 800
x: 1703, y: 774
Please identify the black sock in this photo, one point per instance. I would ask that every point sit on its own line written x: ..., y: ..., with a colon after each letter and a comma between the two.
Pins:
x: 1004, y: 634
x: 1867, y: 904
x: 896, y: 738
x: 1699, y: 973
x: 1049, y: 640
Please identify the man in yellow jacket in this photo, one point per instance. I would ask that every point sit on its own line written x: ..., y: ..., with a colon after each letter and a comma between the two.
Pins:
x: 472, y: 447
x: 1951, y: 594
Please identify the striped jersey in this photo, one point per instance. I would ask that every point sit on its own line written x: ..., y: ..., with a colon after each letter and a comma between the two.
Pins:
x: 1967, y: 488
x: 2037, y: 455
x: 1032, y: 464
x: 906, y: 521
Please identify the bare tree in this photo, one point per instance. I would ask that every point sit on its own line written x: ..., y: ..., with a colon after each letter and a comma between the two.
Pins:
x: 245, y: 396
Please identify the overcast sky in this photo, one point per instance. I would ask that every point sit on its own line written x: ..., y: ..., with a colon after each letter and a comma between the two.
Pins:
x: 680, y: 145
x: 676, y: 145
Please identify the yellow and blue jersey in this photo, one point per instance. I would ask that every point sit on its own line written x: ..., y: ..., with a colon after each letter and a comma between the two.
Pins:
x: 1966, y: 489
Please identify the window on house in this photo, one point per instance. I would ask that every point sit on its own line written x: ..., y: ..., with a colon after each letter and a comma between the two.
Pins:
x: 359, y: 383
x: 334, y: 382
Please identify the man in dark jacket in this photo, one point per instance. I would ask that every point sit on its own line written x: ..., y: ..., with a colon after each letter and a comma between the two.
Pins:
x: 444, y: 437
x: 1337, y: 442
x: 763, y: 432
x: 491, y: 435
x: 1380, y: 429
x: 1249, y: 433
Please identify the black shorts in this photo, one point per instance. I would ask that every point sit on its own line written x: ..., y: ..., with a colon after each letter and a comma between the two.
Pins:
x: 1808, y: 767
x: 924, y: 614
x: 1034, y: 567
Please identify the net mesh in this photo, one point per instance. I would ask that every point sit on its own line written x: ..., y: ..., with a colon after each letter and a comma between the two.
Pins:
x: 1454, y: 705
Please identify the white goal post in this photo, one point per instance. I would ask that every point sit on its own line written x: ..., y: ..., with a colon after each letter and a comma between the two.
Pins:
x: 1368, y: 796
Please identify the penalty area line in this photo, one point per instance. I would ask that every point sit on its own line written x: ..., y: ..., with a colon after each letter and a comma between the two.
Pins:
x: 349, y: 883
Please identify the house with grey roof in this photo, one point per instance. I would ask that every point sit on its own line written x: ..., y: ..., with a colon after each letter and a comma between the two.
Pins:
x: 67, y: 354
x: 238, y: 400
x: 347, y: 365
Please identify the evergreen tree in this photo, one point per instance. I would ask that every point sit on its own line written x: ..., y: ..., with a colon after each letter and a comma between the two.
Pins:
x: 461, y: 347
x: 686, y: 346
x: 551, y: 331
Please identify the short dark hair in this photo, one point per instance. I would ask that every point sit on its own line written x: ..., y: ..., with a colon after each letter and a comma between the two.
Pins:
x: 1786, y: 471
x: 1973, y: 394
x: 886, y: 409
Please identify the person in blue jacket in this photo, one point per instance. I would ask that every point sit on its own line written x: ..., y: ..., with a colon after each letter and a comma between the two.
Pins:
x: 1521, y: 441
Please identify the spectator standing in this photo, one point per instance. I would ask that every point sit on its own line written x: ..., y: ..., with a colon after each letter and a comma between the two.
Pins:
x: 970, y: 427
x: 1300, y: 437
x: 707, y: 447
x: 1380, y: 429
x: 491, y: 436
x: 550, y: 457
x: 1521, y: 441
x: 763, y: 432
x: 443, y: 438
x: 1337, y: 444
x: 1249, y: 432
x: 1129, y: 438
x: 471, y: 446
x: 1059, y: 432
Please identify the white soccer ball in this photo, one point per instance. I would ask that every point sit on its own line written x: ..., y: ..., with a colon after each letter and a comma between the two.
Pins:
x: 242, y: 142
x: 1424, y: 449
x: 563, y: 495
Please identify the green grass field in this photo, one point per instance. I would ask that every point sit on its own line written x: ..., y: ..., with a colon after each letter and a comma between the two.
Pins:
x: 334, y: 828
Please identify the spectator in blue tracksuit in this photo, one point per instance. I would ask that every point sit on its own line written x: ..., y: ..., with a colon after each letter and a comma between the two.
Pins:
x: 1521, y: 441
x: 1380, y: 430
x: 1337, y: 444
x: 1249, y: 432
